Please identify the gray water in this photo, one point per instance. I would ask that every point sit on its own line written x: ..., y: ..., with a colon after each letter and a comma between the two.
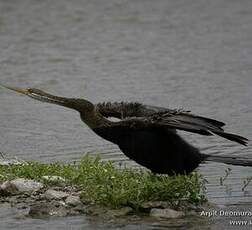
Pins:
x: 195, y: 54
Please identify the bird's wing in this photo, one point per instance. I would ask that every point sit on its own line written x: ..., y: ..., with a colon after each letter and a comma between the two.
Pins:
x: 129, y: 109
x: 181, y: 121
x: 123, y: 110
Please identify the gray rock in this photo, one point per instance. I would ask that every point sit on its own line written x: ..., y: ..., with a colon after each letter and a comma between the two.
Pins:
x: 73, y: 200
x: 147, y: 206
x: 22, y: 209
x: 113, y: 213
x: 20, y: 185
x: 6, y: 188
x: 96, y: 210
x: 166, y: 213
x: 105, y: 212
x: 40, y: 210
x: 51, y: 194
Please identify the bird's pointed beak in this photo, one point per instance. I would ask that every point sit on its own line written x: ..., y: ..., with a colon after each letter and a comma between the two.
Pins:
x: 18, y: 90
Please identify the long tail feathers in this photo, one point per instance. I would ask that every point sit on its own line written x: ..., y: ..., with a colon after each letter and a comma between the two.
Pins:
x: 232, y: 137
x: 230, y: 160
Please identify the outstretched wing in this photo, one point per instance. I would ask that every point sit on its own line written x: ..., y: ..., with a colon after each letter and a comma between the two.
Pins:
x: 196, y: 124
x: 138, y: 116
x: 124, y: 110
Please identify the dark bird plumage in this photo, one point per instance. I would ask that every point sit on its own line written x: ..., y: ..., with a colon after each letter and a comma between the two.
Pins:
x: 147, y: 134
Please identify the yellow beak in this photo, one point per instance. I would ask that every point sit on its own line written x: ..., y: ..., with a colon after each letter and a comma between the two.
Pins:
x: 19, y: 90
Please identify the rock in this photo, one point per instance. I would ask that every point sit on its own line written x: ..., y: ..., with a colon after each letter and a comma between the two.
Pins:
x: 43, y: 209
x: 73, y: 200
x: 53, y: 178
x: 192, y: 213
x: 22, y: 209
x: 166, y: 213
x: 25, y: 185
x: 147, y: 206
x: 105, y: 212
x: 51, y: 194
x: 96, y: 210
x: 119, y: 212
x: 20, y: 185
x: 80, y: 209
x: 6, y: 188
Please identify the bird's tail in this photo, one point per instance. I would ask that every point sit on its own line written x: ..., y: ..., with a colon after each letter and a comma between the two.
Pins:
x: 232, y: 137
x: 233, y: 160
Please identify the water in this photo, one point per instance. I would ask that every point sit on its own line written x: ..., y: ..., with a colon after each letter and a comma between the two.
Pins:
x: 179, y: 53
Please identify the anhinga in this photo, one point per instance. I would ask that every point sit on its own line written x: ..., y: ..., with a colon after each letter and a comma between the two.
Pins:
x: 147, y: 134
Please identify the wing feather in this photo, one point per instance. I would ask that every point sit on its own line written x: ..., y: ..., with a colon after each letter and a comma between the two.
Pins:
x: 139, y: 116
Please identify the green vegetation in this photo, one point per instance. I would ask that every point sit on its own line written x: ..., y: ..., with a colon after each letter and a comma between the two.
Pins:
x: 102, y: 183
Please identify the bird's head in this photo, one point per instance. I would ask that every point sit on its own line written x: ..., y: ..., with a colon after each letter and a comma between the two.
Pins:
x: 80, y: 105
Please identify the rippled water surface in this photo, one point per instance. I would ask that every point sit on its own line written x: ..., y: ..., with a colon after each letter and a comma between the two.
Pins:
x: 195, y: 54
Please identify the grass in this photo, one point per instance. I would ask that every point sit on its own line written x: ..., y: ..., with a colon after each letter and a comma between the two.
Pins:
x: 103, y: 184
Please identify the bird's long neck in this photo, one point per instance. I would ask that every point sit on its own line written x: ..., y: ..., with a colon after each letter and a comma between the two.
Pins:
x: 90, y: 115
x: 88, y: 112
x: 94, y: 119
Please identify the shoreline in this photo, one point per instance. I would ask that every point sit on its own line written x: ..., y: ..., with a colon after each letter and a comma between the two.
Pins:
x: 96, y: 188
